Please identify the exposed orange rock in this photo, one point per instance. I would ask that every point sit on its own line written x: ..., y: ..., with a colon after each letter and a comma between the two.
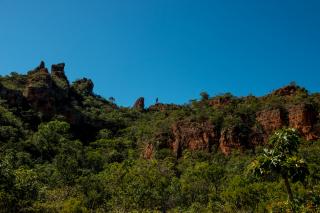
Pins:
x: 193, y: 136
x: 271, y: 120
x: 302, y: 117
x: 231, y: 138
x: 287, y: 90
x: 38, y: 91
x: 139, y: 104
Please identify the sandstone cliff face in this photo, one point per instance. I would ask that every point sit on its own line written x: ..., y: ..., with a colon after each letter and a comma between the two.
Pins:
x: 271, y: 120
x: 38, y: 91
x: 303, y: 117
x: 193, y: 136
x: 202, y: 135
x: 232, y: 138
x: 46, y: 92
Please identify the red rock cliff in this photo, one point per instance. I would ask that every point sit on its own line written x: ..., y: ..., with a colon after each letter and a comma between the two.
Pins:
x: 193, y: 136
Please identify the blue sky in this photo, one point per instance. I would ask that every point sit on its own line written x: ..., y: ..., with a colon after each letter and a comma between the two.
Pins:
x: 170, y: 49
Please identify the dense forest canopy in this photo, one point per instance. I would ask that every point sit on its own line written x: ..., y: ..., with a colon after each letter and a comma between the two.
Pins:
x: 65, y: 149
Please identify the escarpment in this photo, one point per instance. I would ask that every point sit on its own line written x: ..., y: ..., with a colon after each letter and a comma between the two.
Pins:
x: 288, y: 113
x: 223, y: 123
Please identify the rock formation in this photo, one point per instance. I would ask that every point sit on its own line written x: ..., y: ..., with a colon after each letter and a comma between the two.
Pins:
x: 271, y: 120
x: 83, y: 86
x: 139, y: 104
x: 58, y: 74
x: 193, y: 136
x: 289, y: 90
x: 42, y: 96
x: 220, y: 101
x: 303, y: 117
x: 38, y: 91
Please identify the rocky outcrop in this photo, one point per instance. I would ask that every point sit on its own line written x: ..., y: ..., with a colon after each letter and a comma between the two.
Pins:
x: 193, y: 136
x: 38, y: 91
x: 58, y: 70
x: 139, y: 104
x: 60, y: 83
x: 220, y: 101
x: 289, y: 90
x: 271, y: 120
x: 163, y: 107
x: 58, y: 75
x: 303, y: 117
x: 232, y: 138
x: 83, y: 86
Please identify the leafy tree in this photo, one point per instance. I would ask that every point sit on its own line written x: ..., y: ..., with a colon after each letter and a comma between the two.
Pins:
x: 282, y: 159
x: 49, y: 137
x: 204, y: 96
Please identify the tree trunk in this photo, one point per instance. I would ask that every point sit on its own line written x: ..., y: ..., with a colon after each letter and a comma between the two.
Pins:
x: 287, y: 184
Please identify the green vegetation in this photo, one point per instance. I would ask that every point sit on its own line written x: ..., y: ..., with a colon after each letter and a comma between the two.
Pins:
x: 282, y: 160
x: 90, y: 157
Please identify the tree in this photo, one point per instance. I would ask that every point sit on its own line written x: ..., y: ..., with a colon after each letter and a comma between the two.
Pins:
x: 282, y: 160
x: 204, y: 96
x: 49, y: 137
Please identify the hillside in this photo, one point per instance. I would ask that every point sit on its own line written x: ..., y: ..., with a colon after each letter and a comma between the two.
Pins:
x: 64, y: 148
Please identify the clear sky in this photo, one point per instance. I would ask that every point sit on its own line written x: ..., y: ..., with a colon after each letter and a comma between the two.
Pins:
x: 170, y: 49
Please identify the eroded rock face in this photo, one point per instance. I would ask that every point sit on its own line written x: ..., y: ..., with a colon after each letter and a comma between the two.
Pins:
x: 139, y: 104
x: 302, y: 117
x: 57, y: 73
x: 271, y: 120
x: 60, y: 83
x: 38, y: 91
x: 232, y: 138
x: 193, y: 136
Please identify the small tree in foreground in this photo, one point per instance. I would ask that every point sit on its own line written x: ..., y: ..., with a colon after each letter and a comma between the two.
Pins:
x: 282, y: 159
